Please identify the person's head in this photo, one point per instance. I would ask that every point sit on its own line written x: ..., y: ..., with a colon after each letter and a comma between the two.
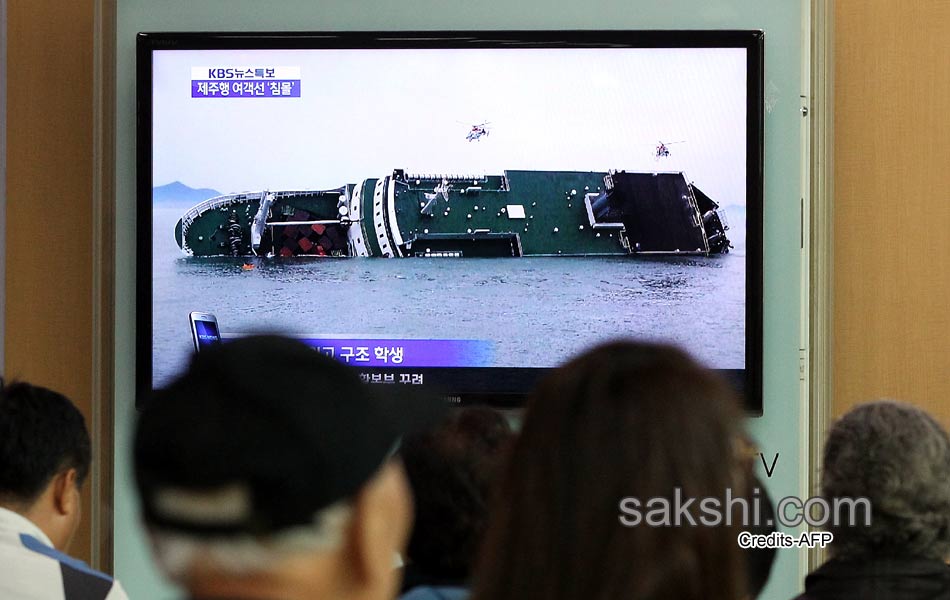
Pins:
x: 622, y: 420
x: 898, y: 457
x: 452, y: 469
x: 266, y: 469
x: 44, y: 459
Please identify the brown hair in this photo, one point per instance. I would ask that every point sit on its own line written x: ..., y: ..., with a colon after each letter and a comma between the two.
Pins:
x: 623, y: 419
x: 452, y: 469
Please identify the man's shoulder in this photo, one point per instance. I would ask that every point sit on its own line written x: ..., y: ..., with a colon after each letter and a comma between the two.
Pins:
x: 79, y: 581
x: 82, y: 583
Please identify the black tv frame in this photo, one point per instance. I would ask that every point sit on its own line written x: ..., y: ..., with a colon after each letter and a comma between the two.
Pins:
x: 748, y: 381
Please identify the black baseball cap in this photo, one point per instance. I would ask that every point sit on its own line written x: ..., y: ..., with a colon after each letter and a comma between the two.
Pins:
x: 262, y: 432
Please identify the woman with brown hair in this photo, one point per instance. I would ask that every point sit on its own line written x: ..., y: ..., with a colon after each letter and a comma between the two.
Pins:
x: 623, y: 420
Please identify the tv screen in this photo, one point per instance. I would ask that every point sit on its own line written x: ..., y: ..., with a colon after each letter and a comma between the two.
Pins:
x: 460, y: 211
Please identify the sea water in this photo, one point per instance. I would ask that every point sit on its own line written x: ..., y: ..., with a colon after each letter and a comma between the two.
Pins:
x: 538, y: 311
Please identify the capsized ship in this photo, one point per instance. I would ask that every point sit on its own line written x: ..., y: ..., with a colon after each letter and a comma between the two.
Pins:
x: 518, y: 213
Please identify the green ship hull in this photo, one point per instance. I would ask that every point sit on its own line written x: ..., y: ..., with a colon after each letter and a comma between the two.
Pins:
x: 518, y: 213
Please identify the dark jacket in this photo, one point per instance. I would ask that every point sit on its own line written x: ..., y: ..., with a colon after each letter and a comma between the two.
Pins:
x: 880, y: 579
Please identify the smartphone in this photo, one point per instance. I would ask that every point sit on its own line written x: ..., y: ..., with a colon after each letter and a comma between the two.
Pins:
x: 204, y: 330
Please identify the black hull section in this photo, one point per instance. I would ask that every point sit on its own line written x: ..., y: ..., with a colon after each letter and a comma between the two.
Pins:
x: 480, y: 245
x: 659, y: 212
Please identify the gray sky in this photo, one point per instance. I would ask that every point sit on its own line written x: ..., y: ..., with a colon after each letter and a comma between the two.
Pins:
x: 363, y: 113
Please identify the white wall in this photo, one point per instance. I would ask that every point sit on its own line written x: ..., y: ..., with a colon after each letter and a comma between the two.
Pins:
x: 779, y: 431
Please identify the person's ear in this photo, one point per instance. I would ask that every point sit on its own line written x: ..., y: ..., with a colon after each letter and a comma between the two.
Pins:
x: 66, y: 492
x: 368, y: 545
x: 377, y: 525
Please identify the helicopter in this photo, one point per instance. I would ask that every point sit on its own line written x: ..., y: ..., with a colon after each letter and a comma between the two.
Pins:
x: 663, y: 150
x: 477, y: 131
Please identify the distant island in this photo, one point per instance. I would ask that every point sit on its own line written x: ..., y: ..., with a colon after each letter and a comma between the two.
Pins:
x: 177, y: 192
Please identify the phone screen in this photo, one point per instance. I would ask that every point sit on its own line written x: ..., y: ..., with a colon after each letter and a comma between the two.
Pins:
x: 206, y: 334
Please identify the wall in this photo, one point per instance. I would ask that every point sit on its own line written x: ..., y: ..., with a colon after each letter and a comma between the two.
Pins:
x: 780, y: 431
x: 48, y: 279
x: 892, y: 207
x: 3, y: 173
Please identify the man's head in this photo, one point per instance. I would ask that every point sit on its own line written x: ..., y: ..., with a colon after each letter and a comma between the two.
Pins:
x: 898, y: 457
x: 44, y: 459
x: 266, y: 468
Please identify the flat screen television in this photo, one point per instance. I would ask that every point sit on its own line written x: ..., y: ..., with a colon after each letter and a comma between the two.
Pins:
x: 460, y: 211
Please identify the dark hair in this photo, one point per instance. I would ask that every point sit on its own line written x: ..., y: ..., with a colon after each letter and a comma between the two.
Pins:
x: 451, y: 470
x: 898, y: 457
x: 623, y: 419
x: 41, y: 434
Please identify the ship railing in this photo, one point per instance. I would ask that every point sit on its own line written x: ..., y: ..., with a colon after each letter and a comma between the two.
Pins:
x: 440, y: 254
x: 446, y: 176
x: 299, y: 193
x: 690, y: 198
x: 202, y: 207
x: 723, y: 218
x: 299, y: 223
